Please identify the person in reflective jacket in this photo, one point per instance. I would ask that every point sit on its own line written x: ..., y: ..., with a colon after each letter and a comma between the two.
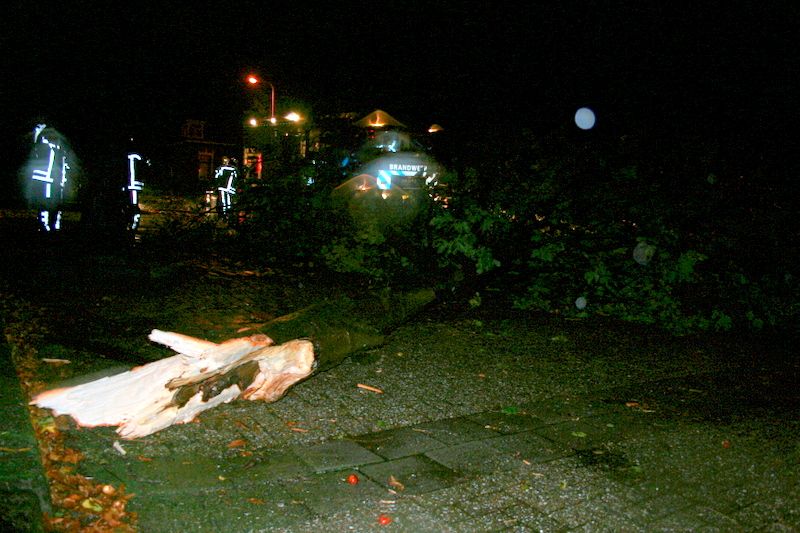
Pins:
x: 133, y: 186
x: 48, y: 177
x: 224, y: 177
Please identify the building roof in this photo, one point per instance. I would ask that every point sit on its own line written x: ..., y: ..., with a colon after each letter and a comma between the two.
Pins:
x: 379, y: 119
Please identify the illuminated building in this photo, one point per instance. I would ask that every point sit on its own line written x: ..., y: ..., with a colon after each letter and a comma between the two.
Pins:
x: 192, y: 160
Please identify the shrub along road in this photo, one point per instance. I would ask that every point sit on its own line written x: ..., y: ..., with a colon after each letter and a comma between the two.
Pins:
x: 472, y: 420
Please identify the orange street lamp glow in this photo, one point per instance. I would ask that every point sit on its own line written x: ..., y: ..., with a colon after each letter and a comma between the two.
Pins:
x: 377, y: 123
x: 252, y: 79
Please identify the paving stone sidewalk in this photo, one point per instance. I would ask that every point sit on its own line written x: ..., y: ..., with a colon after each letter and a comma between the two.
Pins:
x: 558, y: 465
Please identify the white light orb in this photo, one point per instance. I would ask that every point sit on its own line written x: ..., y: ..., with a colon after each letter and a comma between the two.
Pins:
x: 643, y: 253
x: 584, y: 118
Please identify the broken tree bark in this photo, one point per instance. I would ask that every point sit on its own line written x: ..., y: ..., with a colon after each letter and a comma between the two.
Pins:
x: 203, y: 374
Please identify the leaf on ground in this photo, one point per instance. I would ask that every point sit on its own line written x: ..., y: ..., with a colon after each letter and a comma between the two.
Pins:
x: 47, y: 424
x: 92, y: 505
x: 238, y: 443
x: 70, y: 500
x: 395, y: 484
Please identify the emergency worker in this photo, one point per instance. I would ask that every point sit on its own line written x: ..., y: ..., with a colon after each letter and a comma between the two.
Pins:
x: 224, y: 179
x: 132, y: 188
x: 48, y: 178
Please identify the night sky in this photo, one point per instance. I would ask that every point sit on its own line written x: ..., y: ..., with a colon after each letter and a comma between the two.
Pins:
x: 97, y: 69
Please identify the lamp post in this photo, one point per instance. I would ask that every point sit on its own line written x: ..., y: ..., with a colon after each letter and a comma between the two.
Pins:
x: 252, y: 79
x: 262, y: 140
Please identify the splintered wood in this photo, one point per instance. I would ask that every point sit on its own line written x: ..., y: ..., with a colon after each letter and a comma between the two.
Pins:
x: 176, y: 389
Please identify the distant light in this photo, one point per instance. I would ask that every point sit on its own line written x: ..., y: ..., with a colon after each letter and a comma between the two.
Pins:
x: 584, y: 118
x: 294, y: 117
x: 384, y: 180
x: 378, y: 122
x: 273, y: 120
x: 253, y: 122
x: 252, y: 80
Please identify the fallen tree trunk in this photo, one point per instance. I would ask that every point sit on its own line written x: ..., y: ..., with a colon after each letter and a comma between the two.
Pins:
x: 204, y: 374
x: 175, y: 390
x: 343, y: 326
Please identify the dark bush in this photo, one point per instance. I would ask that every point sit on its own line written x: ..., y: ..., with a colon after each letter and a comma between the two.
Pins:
x: 631, y: 227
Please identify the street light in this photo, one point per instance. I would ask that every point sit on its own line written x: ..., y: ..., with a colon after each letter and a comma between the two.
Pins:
x: 254, y: 80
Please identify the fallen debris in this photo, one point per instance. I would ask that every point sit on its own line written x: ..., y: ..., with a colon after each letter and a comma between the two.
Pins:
x: 396, y: 484
x: 369, y: 388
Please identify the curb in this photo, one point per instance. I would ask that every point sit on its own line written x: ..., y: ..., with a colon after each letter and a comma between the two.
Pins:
x: 24, y: 493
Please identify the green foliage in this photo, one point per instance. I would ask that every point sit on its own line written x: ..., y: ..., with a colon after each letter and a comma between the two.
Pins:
x: 465, y: 238
x: 176, y: 232
x: 380, y: 250
x: 614, y: 227
x: 574, y: 218
x: 285, y: 220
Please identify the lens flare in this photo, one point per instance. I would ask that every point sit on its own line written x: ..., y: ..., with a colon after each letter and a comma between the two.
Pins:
x: 584, y: 118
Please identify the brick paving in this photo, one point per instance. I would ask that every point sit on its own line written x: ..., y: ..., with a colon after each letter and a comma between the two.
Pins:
x: 688, y: 451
